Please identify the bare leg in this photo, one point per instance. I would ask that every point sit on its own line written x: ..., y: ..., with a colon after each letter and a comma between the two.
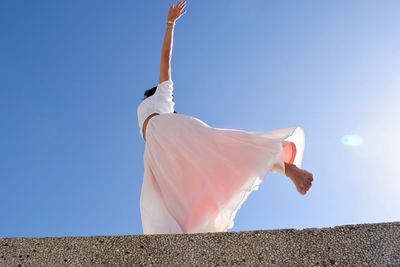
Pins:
x: 302, y: 179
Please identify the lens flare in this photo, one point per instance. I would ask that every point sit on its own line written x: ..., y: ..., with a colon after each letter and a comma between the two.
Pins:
x: 351, y: 140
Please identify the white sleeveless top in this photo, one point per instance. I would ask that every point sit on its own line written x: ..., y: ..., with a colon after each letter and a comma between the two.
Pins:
x: 160, y: 102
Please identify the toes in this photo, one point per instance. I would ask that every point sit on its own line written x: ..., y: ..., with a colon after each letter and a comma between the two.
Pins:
x: 309, y: 185
x: 305, y: 187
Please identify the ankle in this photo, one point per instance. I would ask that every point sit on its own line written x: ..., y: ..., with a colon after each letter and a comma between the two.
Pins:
x: 289, y: 169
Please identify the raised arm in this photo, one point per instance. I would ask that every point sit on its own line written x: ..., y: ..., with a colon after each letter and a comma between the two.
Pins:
x: 174, y: 13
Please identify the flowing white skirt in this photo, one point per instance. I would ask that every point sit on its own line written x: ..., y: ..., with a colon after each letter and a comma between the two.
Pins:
x: 197, y: 177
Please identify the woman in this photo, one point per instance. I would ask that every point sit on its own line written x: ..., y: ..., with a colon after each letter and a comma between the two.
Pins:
x: 196, y: 177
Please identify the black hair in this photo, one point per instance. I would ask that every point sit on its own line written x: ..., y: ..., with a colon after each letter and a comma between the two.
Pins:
x: 150, y: 92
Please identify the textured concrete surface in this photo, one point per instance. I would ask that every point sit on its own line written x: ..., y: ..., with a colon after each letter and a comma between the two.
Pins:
x: 348, y: 245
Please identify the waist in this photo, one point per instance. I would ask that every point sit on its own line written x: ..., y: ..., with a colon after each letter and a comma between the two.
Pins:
x: 146, y: 122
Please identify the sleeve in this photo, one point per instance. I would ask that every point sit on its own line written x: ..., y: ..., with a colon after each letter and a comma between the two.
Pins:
x: 166, y: 87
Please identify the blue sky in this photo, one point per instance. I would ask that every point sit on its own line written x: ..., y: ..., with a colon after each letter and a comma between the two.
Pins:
x: 73, y: 72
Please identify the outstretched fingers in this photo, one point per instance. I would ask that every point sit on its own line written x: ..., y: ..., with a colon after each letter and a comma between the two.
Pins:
x: 181, y: 4
x: 176, y: 11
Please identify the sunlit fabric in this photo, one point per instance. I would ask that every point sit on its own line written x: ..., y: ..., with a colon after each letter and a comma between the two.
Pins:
x: 197, y: 177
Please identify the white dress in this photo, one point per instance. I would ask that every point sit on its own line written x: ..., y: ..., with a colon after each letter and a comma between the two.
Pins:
x: 197, y: 177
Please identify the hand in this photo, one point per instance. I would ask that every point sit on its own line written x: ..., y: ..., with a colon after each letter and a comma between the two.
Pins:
x: 176, y: 11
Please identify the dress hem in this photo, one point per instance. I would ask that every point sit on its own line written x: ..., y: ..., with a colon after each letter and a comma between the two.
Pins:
x: 260, y: 179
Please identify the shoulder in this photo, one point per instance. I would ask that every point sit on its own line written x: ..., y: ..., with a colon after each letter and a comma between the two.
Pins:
x: 165, y: 86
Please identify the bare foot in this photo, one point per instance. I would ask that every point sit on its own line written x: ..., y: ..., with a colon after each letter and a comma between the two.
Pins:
x: 302, y: 179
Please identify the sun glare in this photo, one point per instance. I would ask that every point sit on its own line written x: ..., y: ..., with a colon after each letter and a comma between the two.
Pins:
x: 351, y: 140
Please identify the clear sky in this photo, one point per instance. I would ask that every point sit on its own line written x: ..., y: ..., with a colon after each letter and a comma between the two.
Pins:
x: 72, y: 74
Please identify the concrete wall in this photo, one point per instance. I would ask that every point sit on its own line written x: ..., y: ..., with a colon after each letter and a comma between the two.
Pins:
x: 348, y: 245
